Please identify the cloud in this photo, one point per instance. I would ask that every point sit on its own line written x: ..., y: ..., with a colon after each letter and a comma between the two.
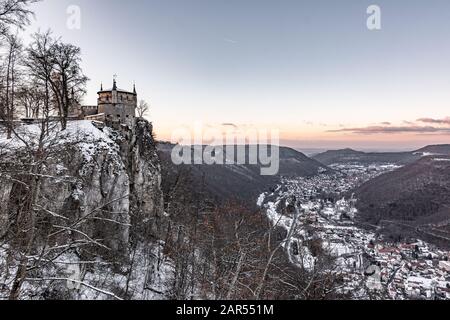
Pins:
x: 420, y: 126
x: 229, y: 125
x: 393, y: 130
x: 445, y: 121
x: 230, y: 40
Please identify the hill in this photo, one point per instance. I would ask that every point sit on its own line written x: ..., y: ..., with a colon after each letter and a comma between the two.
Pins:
x: 401, y: 158
x: 242, y: 182
x: 353, y: 156
x: 411, y: 201
x: 441, y: 149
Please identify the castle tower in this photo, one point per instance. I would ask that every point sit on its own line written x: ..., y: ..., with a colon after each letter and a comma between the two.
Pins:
x: 118, y: 106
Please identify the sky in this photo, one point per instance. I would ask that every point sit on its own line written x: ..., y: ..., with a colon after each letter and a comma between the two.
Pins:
x: 311, y: 69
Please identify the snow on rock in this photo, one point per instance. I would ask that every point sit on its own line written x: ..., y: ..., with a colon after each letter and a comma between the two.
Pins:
x: 441, y: 159
x: 69, y: 277
x: 110, y: 176
x: 261, y: 199
x: 88, y: 168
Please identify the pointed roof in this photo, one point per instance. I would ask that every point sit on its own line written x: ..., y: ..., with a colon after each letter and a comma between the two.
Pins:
x: 115, y: 88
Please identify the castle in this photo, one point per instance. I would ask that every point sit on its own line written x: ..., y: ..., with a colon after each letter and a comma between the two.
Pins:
x: 115, y: 107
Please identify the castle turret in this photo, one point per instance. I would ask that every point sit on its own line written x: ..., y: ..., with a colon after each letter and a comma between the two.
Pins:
x: 114, y: 97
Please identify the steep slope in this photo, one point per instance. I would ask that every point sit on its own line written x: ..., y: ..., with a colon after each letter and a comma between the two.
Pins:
x: 414, y: 200
x: 440, y: 149
x: 242, y: 182
x: 295, y: 163
x: 85, y: 203
x: 352, y: 156
x: 86, y: 168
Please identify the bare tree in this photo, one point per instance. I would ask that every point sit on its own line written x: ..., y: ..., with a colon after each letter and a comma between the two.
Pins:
x: 143, y: 108
x: 58, y: 66
x: 39, y: 65
x: 31, y: 98
x: 8, y: 89
x: 67, y: 78
x: 14, y: 13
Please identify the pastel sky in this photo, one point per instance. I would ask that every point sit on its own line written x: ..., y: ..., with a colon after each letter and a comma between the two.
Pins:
x: 311, y: 68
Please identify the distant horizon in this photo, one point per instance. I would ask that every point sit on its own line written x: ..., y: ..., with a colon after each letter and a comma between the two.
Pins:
x: 313, y: 151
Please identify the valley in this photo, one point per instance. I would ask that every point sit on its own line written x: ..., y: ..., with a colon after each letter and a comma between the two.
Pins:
x: 370, y: 264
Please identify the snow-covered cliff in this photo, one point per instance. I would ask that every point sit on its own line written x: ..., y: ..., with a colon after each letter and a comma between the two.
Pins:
x: 89, y: 171
x: 81, y: 212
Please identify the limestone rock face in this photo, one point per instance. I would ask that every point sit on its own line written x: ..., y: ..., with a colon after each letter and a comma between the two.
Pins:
x: 145, y: 176
x: 107, y: 182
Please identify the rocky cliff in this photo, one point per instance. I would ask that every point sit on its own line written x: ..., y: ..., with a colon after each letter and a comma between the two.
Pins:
x: 81, y: 212
x: 105, y: 182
